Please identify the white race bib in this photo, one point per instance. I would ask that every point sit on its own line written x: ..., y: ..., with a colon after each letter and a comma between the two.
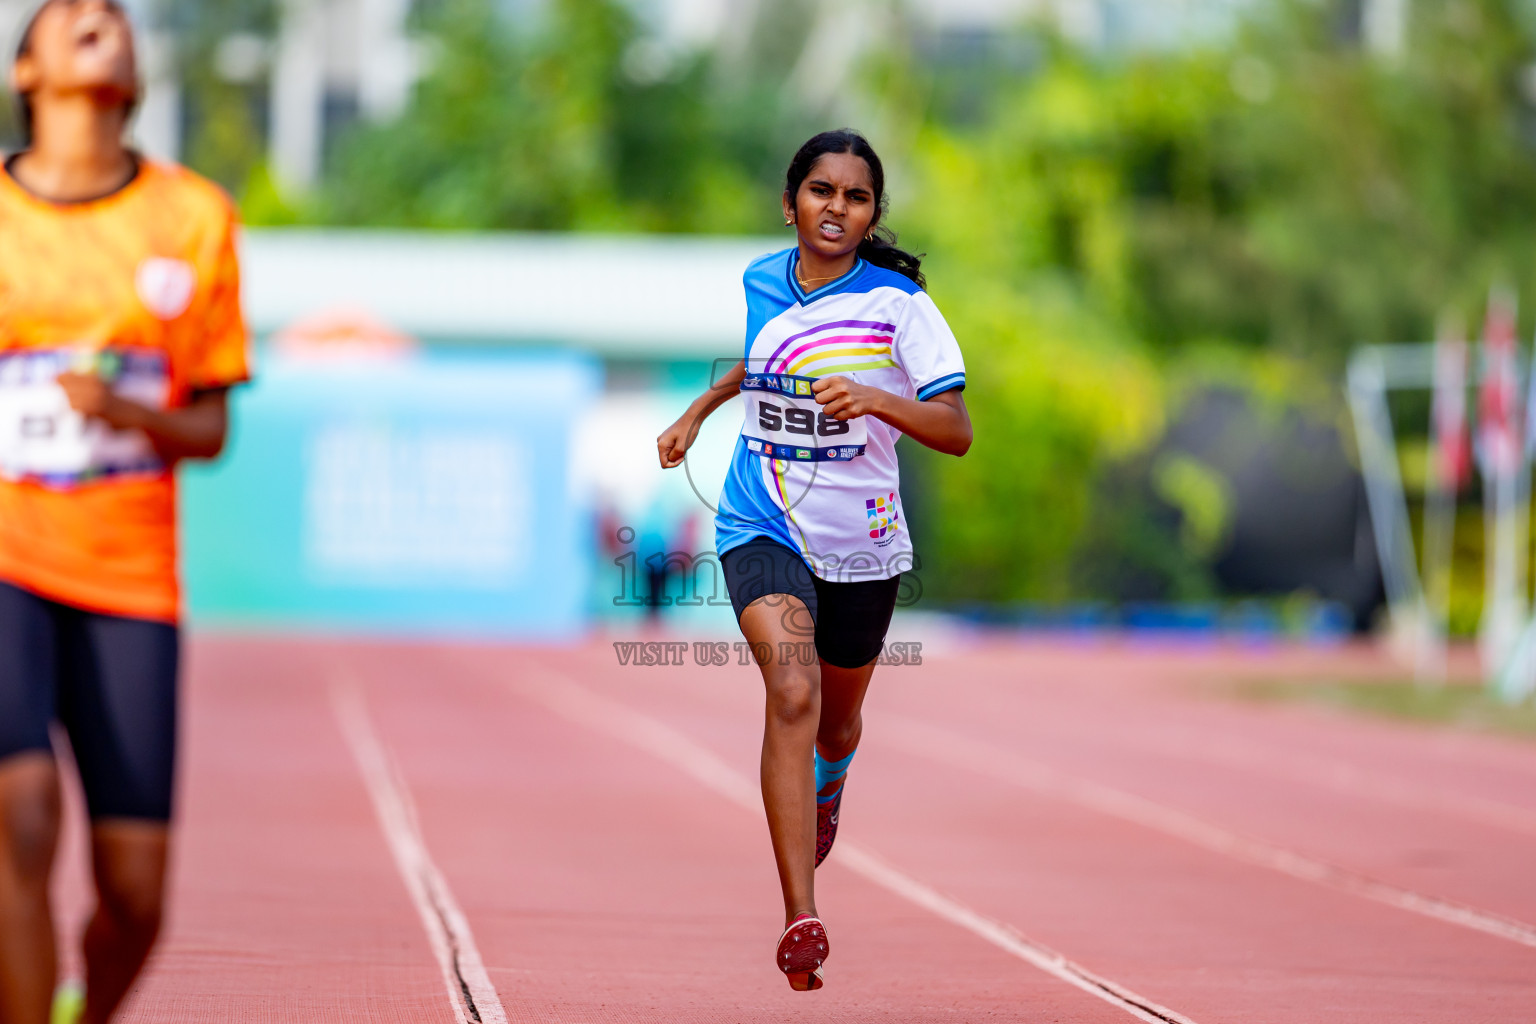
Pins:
x: 784, y: 422
x: 42, y: 439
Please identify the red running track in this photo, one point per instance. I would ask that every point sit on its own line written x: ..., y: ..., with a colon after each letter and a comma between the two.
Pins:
x: 1031, y: 833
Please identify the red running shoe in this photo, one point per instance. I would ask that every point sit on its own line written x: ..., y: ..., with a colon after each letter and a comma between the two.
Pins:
x: 826, y: 826
x: 802, y: 948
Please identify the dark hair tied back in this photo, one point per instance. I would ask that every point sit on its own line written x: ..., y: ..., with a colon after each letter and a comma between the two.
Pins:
x: 880, y: 246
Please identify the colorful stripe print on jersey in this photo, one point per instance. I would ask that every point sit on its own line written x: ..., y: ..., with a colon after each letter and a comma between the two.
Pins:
x: 777, y: 469
x: 840, y: 346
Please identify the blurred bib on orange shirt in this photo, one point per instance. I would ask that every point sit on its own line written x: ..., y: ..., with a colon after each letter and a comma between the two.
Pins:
x: 141, y: 287
x: 44, y: 441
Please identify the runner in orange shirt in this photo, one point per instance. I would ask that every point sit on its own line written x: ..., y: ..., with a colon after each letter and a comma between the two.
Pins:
x: 120, y: 334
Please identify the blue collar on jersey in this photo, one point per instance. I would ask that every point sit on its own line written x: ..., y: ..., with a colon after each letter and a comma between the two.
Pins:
x: 830, y: 288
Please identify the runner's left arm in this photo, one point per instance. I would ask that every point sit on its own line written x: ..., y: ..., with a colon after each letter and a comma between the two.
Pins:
x: 941, y: 422
x: 194, y: 431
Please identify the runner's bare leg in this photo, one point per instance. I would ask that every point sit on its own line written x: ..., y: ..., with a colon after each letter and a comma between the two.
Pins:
x: 789, y: 735
x: 30, y: 812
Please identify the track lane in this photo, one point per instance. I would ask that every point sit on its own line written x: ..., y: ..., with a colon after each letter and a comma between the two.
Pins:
x: 1359, y: 949
x: 1148, y: 743
x: 584, y: 880
x: 284, y: 905
x: 1218, y: 938
x: 1183, y: 692
x: 572, y: 856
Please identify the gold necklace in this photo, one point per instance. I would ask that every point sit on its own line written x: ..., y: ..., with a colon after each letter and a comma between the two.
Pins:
x: 807, y: 280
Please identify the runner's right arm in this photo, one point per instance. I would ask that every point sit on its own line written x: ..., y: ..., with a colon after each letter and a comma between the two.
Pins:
x: 195, y: 431
x: 673, y: 443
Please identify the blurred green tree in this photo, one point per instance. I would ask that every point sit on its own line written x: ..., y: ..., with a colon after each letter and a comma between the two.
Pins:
x: 10, y: 124
x: 1281, y: 193
x: 1284, y: 190
x: 571, y: 120
x: 221, y: 53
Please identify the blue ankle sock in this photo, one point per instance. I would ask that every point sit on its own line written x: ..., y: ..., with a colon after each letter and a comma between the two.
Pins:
x: 828, y: 772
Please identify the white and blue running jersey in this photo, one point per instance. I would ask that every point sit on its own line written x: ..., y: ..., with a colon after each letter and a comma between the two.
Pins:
x: 830, y: 489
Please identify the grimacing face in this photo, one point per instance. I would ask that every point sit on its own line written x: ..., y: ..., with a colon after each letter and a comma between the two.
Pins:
x: 836, y: 206
x: 79, y: 47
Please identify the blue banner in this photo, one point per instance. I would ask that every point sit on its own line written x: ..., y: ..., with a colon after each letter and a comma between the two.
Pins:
x: 423, y: 495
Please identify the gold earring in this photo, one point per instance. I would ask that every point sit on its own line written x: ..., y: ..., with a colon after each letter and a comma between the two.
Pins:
x: 788, y: 221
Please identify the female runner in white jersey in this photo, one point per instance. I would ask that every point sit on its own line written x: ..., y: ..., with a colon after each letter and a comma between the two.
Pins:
x: 845, y: 353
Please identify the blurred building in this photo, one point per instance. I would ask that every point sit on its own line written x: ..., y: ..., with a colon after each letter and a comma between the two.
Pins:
x: 333, y: 60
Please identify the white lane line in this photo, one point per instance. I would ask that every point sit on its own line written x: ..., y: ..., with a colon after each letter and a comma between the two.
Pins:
x: 950, y: 748
x: 1325, y: 771
x: 574, y: 702
x: 1342, y: 776
x: 1006, y: 937
x: 470, y: 991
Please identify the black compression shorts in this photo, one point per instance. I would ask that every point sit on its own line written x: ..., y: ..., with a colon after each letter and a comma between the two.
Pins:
x: 110, y: 681
x: 848, y: 620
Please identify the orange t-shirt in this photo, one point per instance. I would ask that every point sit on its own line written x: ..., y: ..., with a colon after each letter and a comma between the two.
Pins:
x: 143, y: 287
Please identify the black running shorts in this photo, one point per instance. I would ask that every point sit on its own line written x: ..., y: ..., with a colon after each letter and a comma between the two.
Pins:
x: 109, y: 681
x: 848, y: 620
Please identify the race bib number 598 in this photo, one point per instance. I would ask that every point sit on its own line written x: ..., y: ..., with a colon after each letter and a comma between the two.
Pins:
x: 784, y: 422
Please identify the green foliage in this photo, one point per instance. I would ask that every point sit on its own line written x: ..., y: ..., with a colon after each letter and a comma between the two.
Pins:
x: 10, y: 124
x: 223, y: 118
x: 1284, y: 196
x: 505, y: 132
x: 1202, y: 496
x: 1053, y: 392
x: 573, y: 121
x: 1454, y: 706
x: 1284, y: 191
